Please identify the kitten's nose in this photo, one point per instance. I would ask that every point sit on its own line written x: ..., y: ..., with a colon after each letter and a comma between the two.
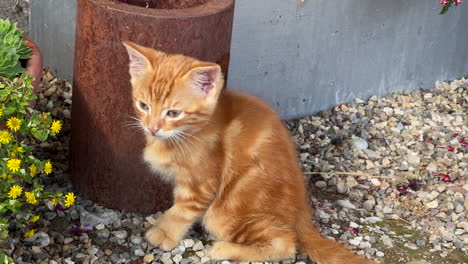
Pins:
x: 153, y: 130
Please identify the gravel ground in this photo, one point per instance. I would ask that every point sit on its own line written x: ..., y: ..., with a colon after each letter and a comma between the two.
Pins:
x: 17, y: 11
x: 388, y: 178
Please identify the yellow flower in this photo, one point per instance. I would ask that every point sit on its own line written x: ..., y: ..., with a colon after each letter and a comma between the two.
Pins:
x: 32, y: 170
x: 34, y: 219
x: 19, y: 149
x: 48, y: 167
x: 30, y: 233
x: 5, y: 137
x: 56, y: 126
x: 44, y: 116
x: 1, y: 112
x: 69, y: 199
x: 54, y: 202
x: 30, y: 197
x: 15, y: 191
x: 14, y: 164
x: 14, y: 123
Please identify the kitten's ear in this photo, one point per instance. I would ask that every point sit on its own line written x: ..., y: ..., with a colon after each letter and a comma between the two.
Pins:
x: 204, y: 80
x: 139, y: 62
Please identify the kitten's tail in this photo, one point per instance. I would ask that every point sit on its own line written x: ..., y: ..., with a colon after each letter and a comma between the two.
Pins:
x: 322, y: 250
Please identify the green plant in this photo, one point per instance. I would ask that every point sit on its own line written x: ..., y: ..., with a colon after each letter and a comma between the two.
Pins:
x: 12, y: 49
x: 20, y: 128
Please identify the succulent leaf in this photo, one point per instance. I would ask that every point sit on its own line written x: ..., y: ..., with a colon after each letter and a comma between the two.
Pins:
x: 12, y: 49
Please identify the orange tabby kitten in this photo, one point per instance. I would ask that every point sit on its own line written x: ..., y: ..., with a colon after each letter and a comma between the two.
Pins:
x: 232, y: 161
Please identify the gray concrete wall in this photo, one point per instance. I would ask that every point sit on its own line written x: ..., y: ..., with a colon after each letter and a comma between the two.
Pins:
x: 52, y: 24
x: 305, y: 56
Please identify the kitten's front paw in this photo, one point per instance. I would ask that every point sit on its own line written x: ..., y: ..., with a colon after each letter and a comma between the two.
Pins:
x: 156, y: 237
x: 219, y: 251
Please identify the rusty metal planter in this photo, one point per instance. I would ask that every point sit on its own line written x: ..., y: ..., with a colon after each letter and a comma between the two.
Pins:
x: 106, y: 163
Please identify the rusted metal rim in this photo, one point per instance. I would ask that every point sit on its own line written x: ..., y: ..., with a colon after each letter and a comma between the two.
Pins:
x: 209, y: 8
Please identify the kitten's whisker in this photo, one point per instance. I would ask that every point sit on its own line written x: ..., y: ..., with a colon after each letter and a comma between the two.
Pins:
x: 134, y: 127
x: 190, y: 135
x: 183, y: 138
x: 133, y: 124
x: 175, y: 138
x: 138, y: 130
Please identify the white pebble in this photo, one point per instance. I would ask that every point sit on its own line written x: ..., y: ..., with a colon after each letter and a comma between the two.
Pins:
x: 177, y: 258
x: 198, y: 246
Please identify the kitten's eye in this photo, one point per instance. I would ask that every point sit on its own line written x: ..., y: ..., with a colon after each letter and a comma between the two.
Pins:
x: 143, y: 106
x: 173, y: 113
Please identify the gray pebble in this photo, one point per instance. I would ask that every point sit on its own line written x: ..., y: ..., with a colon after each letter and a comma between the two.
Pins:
x: 369, y: 205
x: 321, y: 184
x: 345, y: 204
x: 121, y: 234
x: 342, y: 188
x: 198, y: 246
x: 139, y: 253
x: 93, y: 219
x: 103, y: 234
x: 420, y: 243
x: 411, y: 246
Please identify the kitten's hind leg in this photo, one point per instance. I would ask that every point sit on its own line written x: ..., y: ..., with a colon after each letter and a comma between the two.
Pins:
x: 275, y: 249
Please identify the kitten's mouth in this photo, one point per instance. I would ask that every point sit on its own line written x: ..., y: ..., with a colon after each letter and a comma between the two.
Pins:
x: 158, y: 136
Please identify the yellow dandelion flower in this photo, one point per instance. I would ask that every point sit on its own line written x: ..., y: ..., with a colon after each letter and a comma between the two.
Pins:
x: 32, y: 170
x: 34, y: 219
x: 54, y: 202
x: 19, y: 149
x: 15, y: 191
x: 14, y: 123
x: 44, y: 116
x: 69, y: 199
x: 30, y: 233
x: 5, y: 137
x: 56, y: 126
x: 30, y: 197
x: 14, y: 165
x: 48, y: 167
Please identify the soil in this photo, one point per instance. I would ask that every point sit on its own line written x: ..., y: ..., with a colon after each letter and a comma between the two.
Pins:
x: 16, y: 12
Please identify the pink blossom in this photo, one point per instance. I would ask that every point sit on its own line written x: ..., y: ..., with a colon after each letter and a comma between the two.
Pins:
x: 403, y: 190
x: 463, y: 142
x: 414, y: 185
x: 457, y: 2
x: 353, y: 229
x: 444, y: 2
x: 445, y: 177
x: 449, y: 148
